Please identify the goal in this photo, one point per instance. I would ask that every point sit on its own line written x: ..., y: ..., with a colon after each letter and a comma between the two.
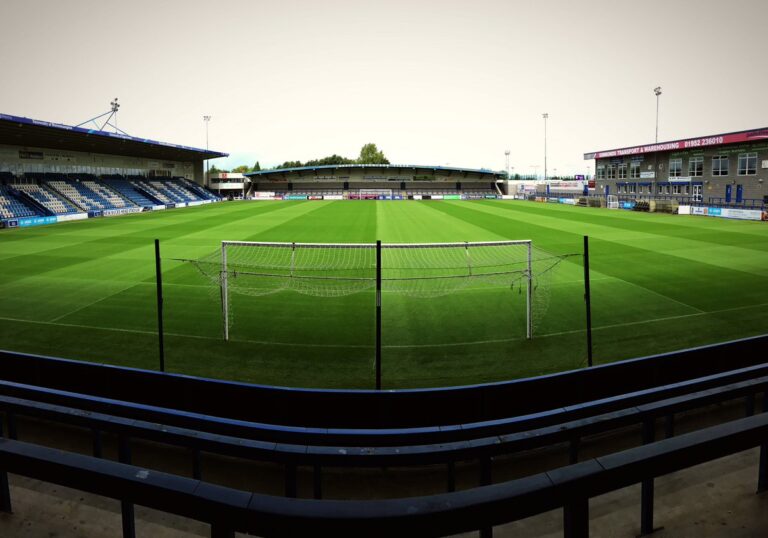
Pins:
x: 413, y: 269
x: 612, y: 201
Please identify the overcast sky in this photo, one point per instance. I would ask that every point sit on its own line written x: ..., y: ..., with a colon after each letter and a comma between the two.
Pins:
x: 430, y: 82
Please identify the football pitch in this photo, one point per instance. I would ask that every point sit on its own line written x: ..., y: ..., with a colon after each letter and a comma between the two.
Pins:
x: 86, y: 290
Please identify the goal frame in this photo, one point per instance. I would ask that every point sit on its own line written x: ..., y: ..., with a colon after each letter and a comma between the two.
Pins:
x: 378, y: 246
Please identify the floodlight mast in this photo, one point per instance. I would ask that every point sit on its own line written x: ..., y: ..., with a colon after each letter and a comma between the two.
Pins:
x: 657, y: 92
x: 112, y: 112
x: 207, y: 120
x: 545, y: 116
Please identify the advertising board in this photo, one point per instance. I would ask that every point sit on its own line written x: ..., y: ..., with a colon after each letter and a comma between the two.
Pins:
x: 73, y: 216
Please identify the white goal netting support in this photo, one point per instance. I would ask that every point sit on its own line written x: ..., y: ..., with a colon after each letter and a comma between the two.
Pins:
x: 612, y: 201
x: 420, y: 270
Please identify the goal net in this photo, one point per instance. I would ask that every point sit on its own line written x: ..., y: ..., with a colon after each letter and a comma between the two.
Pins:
x: 422, y: 270
x: 612, y: 201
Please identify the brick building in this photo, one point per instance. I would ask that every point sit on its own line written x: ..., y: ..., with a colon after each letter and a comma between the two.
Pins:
x: 724, y: 169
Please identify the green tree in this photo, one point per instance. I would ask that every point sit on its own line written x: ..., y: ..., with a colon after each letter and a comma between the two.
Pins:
x: 331, y: 160
x: 370, y: 154
x: 256, y: 167
x: 242, y: 169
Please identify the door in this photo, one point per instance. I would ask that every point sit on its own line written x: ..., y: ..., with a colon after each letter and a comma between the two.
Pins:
x: 607, y: 190
x: 728, y: 194
x: 697, y: 193
x: 739, y: 193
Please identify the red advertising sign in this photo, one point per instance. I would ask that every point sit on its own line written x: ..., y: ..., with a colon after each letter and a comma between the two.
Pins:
x: 716, y: 140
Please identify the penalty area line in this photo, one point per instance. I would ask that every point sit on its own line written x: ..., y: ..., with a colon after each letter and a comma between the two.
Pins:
x: 178, y: 335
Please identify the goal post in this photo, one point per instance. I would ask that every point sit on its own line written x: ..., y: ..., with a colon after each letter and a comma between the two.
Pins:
x: 336, y: 269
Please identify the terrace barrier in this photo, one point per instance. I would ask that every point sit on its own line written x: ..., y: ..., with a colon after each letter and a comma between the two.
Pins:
x: 325, y: 408
x: 304, y: 454
x: 229, y: 511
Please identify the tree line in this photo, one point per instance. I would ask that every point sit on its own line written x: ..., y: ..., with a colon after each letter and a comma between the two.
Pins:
x: 369, y: 154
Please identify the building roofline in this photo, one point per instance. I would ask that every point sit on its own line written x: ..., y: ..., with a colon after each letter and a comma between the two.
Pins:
x: 735, y: 137
x: 375, y: 167
x: 21, y: 123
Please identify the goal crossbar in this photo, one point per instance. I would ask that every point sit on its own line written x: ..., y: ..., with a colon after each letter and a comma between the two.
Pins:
x: 373, y: 245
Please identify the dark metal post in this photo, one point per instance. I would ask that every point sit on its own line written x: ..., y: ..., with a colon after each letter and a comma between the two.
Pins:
x: 290, y: 480
x: 576, y: 518
x: 98, y: 444
x: 762, y: 471
x: 159, y: 277
x: 5, y: 490
x: 126, y: 508
x: 647, y: 486
x: 378, y: 315
x: 197, y: 464
x: 588, y: 300
x: 317, y: 482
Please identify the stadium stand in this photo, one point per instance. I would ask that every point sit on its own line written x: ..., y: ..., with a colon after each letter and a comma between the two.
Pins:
x: 111, y: 198
x: 182, y: 193
x: 53, y: 202
x: 88, y: 194
x: 199, y: 190
x: 13, y: 207
x: 169, y: 191
x: 149, y: 188
x: 121, y: 185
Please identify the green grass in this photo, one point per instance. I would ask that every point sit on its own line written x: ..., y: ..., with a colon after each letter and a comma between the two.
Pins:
x: 85, y: 290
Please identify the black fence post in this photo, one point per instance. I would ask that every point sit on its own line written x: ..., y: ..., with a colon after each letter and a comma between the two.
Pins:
x: 378, y: 315
x: 588, y: 300
x: 159, y: 278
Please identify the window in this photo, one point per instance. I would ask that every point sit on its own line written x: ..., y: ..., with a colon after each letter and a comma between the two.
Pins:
x: 632, y: 188
x: 675, y: 189
x: 696, y: 166
x: 622, y: 171
x: 720, y: 165
x: 747, y: 164
x: 601, y: 172
x: 675, y: 167
x: 634, y: 170
x: 611, y: 172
